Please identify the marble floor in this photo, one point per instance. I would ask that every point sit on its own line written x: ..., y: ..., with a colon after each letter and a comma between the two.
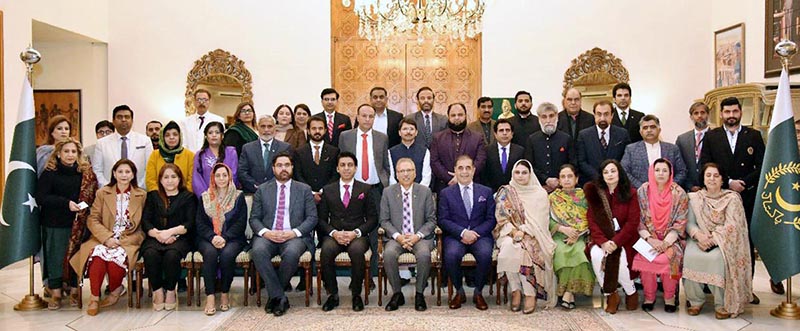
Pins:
x: 14, y: 285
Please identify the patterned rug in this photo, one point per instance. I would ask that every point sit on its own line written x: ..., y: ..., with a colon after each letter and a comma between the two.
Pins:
x: 435, y: 318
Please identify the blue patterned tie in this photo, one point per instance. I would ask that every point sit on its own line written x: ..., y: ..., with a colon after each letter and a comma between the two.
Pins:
x: 267, y: 163
x: 467, y: 201
x: 408, y: 225
x: 504, y: 159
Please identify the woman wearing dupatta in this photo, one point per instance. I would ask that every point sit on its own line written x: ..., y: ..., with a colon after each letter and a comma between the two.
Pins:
x: 663, y: 205
x: 569, y: 227
x: 170, y: 150
x: 244, y: 130
x: 718, y: 252
x: 525, y: 246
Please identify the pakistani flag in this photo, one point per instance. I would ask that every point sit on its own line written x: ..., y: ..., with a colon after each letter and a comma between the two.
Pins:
x: 19, y: 223
x: 776, y: 216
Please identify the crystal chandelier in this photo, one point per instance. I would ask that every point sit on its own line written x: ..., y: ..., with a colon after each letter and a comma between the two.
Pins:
x: 381, y: 19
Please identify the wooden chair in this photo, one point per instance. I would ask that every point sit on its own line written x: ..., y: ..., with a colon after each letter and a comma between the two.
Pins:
x: 343, y: 260
x: 408, y: 258
x: 242, y: 261
x: 305, y: 264
x: 469, y: 261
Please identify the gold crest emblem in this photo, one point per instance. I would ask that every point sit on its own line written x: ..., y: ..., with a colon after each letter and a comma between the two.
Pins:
x: 774, y: 205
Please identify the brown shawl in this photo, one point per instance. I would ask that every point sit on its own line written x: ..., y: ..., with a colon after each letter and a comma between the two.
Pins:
x: 601, y: 210
x: 79, y: 233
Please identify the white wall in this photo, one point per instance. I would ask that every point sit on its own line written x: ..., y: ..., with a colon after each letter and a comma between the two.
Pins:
x: 665, y: 45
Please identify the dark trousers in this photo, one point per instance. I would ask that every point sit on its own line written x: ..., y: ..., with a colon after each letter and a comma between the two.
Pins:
x: 215, y: 259
x: 54, y: 247
x: 162, y: 267
x: 748, y: 200
x: 356, y: 249
x: 262, y: 253
x: 376, y: 192
x: 455, y: 251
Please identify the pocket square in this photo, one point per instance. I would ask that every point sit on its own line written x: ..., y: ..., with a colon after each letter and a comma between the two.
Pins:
x: 341, y: 126
x: 361, y: 196
x: 481, y: 199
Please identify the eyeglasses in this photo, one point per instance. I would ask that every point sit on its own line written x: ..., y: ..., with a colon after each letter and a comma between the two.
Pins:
x: 246, y: 111
x: 105, y: 132
x: 203, y: 100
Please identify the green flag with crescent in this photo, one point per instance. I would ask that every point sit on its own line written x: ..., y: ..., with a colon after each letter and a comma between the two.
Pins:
x: 776, y: 215
x: 19, y: 224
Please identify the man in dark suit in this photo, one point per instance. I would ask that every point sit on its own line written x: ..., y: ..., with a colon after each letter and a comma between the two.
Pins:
x: 409, y: 218
x: 315, y: 162
x: 738, y: 151
x: 428, y: 121
x: 501, y: 156
x: 387, y: 121
x: 690, y: 144
x: 550, y: 148
x: 640, y: 155
x: 335, y: 121
x: 573, y: 119
x: 525, y: 123
x: 255, y: 163
x: 484, y: 124
x: 600, y: 142
x: 283, y: 216
x: 466, y: 216
x: 347, y: 214
x: 449, y: 144
x: 624, y: 116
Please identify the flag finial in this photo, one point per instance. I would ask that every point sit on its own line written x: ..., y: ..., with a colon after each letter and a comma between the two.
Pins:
x: 786, y: 49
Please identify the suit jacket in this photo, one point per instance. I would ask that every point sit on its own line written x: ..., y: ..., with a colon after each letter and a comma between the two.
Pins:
x: 453, y: 215
x: 493, y: 175
x: 393, y: 119
x: 423, y: 210
x: 438, y: 123
x: 582, y: 121
x: 252, y: 170
x: 744, y: 163
x: 444, y: 155
x: 361, y: 213
x: 302, y: 209
x: 591, y: 153
x: 316, y: 176
x: 686, y: 142
x: 349, y: 141
x: 637, y: 165
x: 341, y: 123
x: 632, y: 124
x: 108, y: 151
x: 478, y: 128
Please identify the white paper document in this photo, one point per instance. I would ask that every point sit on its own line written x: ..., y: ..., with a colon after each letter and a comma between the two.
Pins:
x: 646, y: 250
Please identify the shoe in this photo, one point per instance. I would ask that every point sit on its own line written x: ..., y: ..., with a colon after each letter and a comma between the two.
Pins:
x: 777, y: 288
x: 281, y: 307
x: 670, y: 308
x: 269, y: 308
x: 73, y: 297
x: 110, y: 300
x: 419, y: 302
x: 301, y: 287
x: 358, y: 304
x: 648, y: 306
x: 54, y: 303
x: 288, y: 287
x: 756, y: 300
x: 457, y: 300
x: 530, y: 304
x: 170, y: 306
x: 94, y: 306
x: 331, y: 302
x: 721, y: 314
x: 694, y: 310
x: 396, y: 301
x: 516, y: 301
x: 404, y: 281
x: 227, y: 305
x: 632, y: 301
x: 612, y: 303
x: 479, y: 302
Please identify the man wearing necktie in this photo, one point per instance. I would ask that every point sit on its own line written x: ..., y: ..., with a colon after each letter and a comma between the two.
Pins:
x: 192, y: 126
x: 501, y: 156
x: 284, y: 215
x: 600, y: 142
x: 255, y: 162
x: 335, y: 121
x: 428, y: 121
x: 690, y: 144
x: 624, y: 116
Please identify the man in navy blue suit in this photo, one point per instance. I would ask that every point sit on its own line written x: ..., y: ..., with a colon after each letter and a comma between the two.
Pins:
x: 466, y: 214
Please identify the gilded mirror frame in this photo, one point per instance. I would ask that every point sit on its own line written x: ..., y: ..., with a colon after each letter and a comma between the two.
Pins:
x: 217, y: 62
x: 595, y: 67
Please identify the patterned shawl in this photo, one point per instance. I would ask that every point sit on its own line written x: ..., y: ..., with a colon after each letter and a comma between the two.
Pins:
x: 79, y: 233
x: 216, y: 206
x: 569, y: 208
x: 676, y: 220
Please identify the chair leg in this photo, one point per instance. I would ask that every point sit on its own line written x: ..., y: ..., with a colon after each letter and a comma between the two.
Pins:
x: 380, y: 284
x: 497, y: 285
x: 433, y: 280
x: 246, y: 287
x: 307, y: 279
x: 139, y: 289
x: 439, y: 285
x: 197, y: 289
x: 80, y: 292
x: 189, y: 286
x: 130, y: 287
x: 319, y: 284
x: 367, y: 279
x: 258, y: 289
x: 505, y: 293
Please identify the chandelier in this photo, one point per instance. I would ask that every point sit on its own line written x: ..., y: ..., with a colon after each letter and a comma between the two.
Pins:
x: 381, y: 19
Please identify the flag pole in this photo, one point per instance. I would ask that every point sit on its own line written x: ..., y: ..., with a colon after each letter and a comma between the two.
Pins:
x: 786, y: 309
x: 32, y: 301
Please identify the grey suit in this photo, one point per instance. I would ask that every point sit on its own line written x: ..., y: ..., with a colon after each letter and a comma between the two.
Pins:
x: 686, y: 143
x: 636, y: 164
x: 424, y: 219
x: 349, y: 142
x: 438, y: 123
x: 252, y: 170
x: 302, y: 219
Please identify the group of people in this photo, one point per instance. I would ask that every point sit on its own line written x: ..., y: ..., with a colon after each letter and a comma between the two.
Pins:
x: 561, y: 199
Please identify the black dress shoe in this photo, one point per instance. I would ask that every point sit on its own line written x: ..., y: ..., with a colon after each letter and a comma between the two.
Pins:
x: 281, y: 307
x: 756, y: 300
x: 648, y: 306
x: 288, y: 287
x: 419, y: 302
x: 777, y: 288
x: 396, y: 301
x: 358, y: 304
x: 670, y: 308
x: 301, y: 287
x: 331, y: 302
x: 269, y: 308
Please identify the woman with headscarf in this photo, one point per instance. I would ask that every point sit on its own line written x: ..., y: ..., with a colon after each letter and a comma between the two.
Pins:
x: 663, y: 206
x: 718, y: 253
x: 525, y: 256
x: 569, y: 227
x: 244, y: 130
x: 170, y: 150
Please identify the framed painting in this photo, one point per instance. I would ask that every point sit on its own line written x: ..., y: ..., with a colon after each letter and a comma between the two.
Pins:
x: 729, y: 56
x: 50, y: 103
x: 781, y: 22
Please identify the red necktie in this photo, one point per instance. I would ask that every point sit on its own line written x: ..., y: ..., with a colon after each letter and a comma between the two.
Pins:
x: 365, y: 157
x: 330, y: 127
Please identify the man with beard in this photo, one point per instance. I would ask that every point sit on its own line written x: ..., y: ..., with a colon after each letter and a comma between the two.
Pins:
x: 335, y: 121
x: 193, y: 126
x: 624, y: 116
x: 691, y: 145
x: 414, y: 149
x: 524, y: 123
x: 449, y: 144
x: 152, y: 130
x: 550, y: 148
x: 283, y: 216
x: 501, y: 156
x: 429, y: 122
x: 315, y: 162
x: 738, y: 151
x: 641, y: 154
x: 484, y: 124
x: 255, y: 163
x: 387, y: 121
x: 573, y: 119
x: 600, y: 142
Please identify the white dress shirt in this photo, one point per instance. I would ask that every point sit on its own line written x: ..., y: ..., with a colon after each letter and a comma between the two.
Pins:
x: 653, y: 151
x: 381, y: 123
x: 373, y: 171
x: 607, y: 133
x: 627, y: 112
x: 192, y: 131
x: 108, y: 151
x: 286, y: 209
x: 733, y: 137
